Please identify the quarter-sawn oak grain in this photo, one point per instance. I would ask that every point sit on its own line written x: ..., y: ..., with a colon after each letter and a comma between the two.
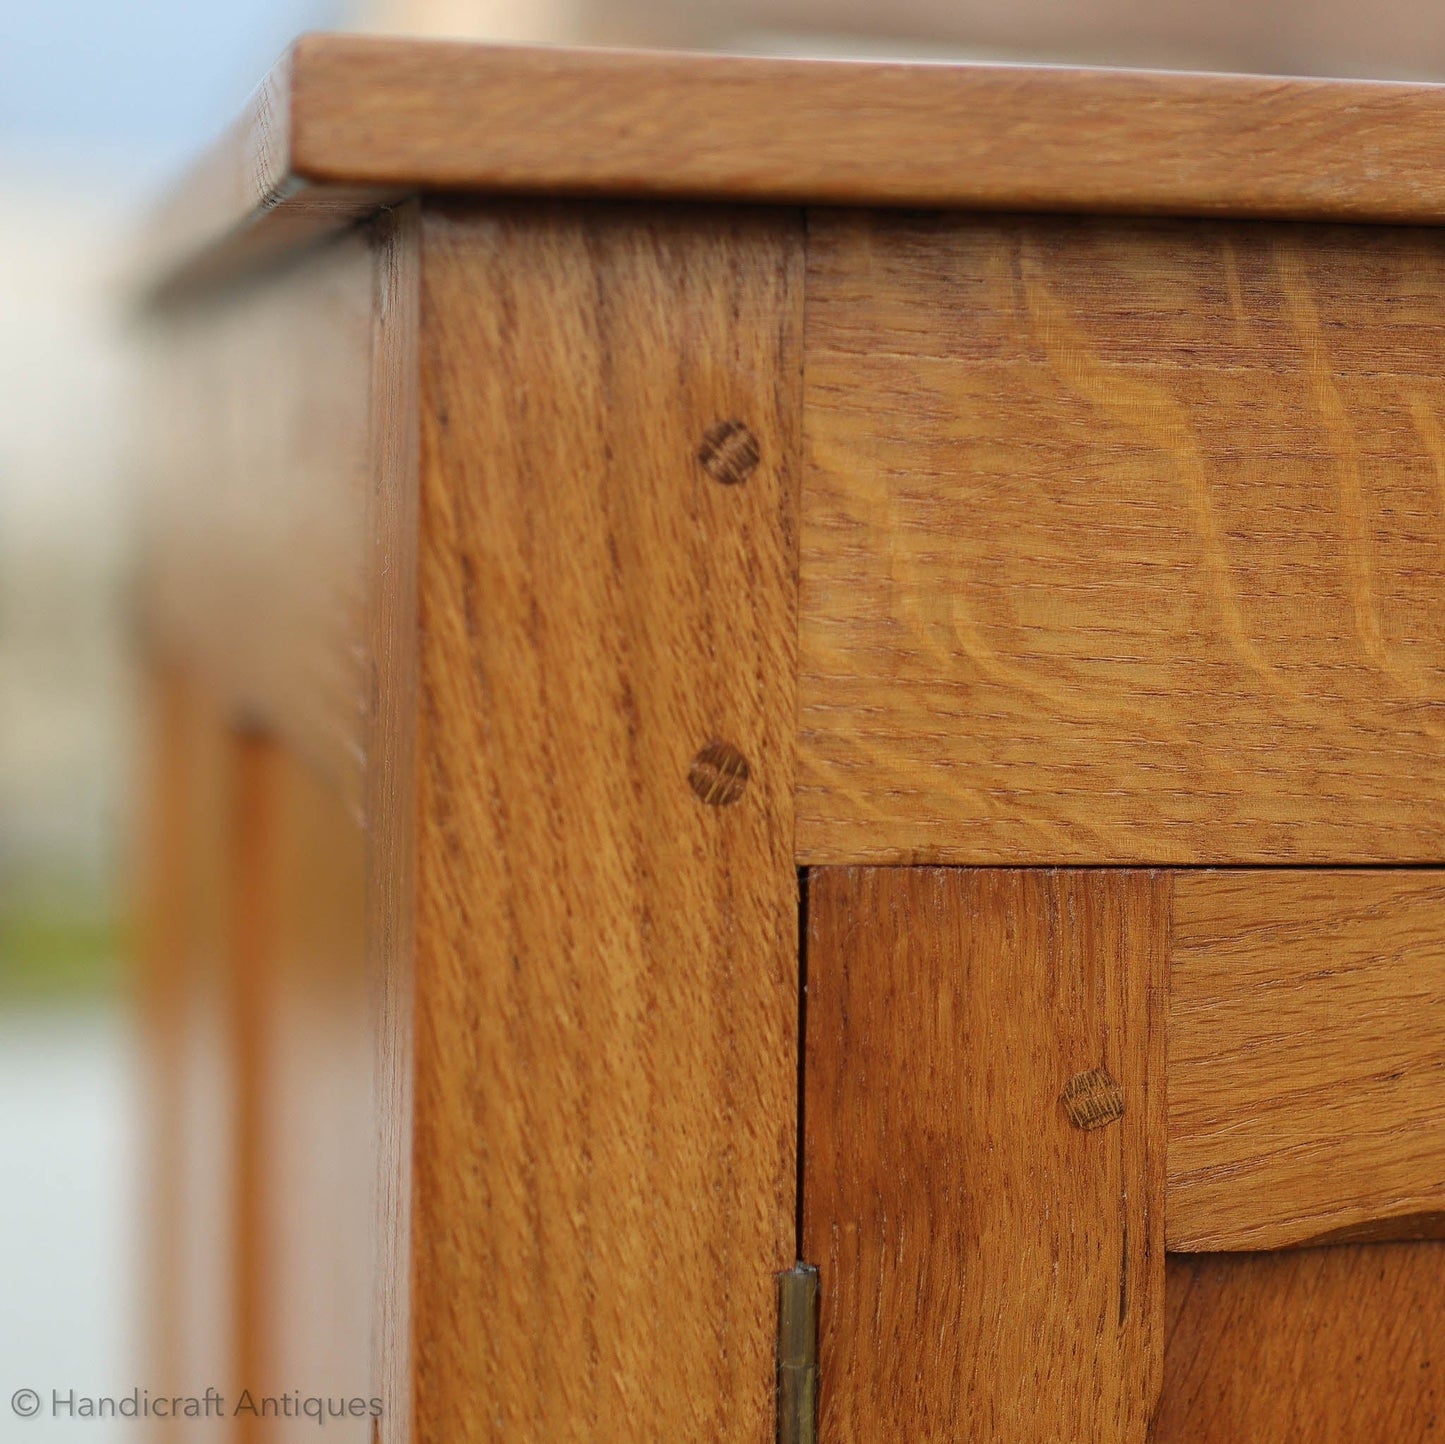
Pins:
x: 606, y: 1035
x: 1122, y: 543
x: 991, y: 1268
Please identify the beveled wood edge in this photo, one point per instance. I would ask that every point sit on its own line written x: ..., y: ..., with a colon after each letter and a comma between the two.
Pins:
x: 242, y: 178
x: 347, y: 124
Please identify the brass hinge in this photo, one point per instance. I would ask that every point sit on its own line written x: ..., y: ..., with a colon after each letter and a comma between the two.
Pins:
x: 798, y: 1355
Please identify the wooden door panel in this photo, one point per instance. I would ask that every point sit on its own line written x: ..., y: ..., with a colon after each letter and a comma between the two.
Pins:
x: 987, y: 1190
x: 984, y: 1132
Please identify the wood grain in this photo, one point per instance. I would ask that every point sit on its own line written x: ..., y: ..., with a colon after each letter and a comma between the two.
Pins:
x: 1122, y: 543
x: 1305, y: 1346
x: 1306, y: 1071
x: 990, y: 1268
x: 349, y: 123
x: 606, y: 1032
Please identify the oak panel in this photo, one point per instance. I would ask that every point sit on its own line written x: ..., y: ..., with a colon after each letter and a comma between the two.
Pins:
x: 1122, y: 542
x: 348, y: 123
x: 1306, y: 1072
x: 606, y: 1027
x: 1305, y: 1346
x: 985, y: 1151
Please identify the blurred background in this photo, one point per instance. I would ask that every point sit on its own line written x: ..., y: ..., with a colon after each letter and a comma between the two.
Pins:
x: 100, y: 105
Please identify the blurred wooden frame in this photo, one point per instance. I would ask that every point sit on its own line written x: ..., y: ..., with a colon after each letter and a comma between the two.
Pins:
x: 650, y: 502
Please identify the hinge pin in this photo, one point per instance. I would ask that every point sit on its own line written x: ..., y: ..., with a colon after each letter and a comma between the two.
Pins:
x: 798, y: 1355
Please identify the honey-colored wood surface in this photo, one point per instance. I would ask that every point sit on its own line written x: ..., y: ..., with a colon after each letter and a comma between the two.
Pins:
x: 984, y: 1165
x: 606, y: 1032
x: 1306, y: 1069
x: 1122, y: 542
x: 1305, y: 1346
x: 348, y: 123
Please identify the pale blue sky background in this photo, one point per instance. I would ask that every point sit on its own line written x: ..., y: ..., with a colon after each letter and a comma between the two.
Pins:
x: 147, y: 81
x: 102, y: 103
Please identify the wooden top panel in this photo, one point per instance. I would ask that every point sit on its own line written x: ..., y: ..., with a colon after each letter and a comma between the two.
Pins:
x: 348, y: 123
